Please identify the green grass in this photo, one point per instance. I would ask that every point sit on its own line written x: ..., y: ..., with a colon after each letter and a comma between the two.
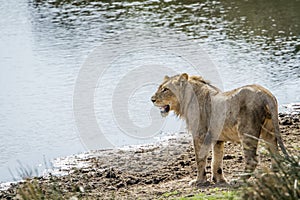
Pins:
x: 216, y: 195
x: 168, y: 194
x: 31, y: 189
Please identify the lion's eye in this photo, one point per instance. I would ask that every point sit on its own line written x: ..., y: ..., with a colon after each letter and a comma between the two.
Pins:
x: 165, y: 89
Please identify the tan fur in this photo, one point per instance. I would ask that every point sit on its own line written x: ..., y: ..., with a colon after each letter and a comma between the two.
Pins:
x: 242, y: 115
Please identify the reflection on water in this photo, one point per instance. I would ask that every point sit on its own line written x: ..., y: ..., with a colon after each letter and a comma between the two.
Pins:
x: 268, y: 28
x: 251, y: 20
x: 43, y: 44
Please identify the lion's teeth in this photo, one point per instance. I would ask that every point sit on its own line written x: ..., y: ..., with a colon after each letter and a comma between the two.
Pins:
x: 164, y: 109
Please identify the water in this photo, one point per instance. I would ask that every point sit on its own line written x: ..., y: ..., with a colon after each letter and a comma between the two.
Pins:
x: 44, y: 45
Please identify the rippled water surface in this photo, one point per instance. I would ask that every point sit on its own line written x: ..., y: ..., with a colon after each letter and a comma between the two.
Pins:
x: 44, y: 44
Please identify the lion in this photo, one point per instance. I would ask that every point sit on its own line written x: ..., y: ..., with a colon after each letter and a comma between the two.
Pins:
x: 213, y: 117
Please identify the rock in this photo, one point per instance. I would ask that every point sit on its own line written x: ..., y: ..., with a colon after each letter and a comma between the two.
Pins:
x: 286, y: 122
x: 228, y: 157
x: 111, y: 174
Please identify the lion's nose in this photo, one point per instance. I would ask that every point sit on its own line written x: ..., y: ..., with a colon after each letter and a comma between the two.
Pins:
x: 153, y: 99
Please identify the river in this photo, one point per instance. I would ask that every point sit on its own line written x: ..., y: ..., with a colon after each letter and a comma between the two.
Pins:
x: 46, y: 46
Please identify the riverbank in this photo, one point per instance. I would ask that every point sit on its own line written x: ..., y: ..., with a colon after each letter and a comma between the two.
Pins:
x: 157, y: 171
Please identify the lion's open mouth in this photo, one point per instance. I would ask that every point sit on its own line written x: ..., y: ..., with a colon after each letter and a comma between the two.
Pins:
x: 164, y: 109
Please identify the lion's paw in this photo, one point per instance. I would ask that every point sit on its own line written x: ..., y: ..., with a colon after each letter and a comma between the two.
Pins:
x: 197, y: 183
x: 237, y: 183
x: 222, y: 184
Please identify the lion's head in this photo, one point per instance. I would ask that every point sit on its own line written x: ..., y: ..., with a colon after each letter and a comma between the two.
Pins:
x: 169, y: 93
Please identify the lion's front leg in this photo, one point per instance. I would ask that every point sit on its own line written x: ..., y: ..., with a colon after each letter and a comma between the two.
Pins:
x: 217, y: 162
x: 201, y: 157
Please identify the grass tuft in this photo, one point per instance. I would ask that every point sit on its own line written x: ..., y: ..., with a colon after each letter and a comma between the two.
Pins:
x: 216, y: 195
x: 281, y: 183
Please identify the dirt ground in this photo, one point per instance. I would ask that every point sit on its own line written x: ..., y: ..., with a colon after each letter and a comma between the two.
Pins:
x: 158, y: 171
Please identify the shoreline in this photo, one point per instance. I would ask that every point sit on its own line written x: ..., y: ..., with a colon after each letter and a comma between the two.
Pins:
x: 147, y: 171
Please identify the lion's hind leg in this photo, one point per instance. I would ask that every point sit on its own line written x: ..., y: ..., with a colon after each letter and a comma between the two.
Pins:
x: 269, y: 138
x: 249, y: 128
x: 250, y: 133
x: 250, y: 153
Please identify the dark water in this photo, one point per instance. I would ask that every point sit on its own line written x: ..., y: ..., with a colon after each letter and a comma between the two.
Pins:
x: 44, y: 44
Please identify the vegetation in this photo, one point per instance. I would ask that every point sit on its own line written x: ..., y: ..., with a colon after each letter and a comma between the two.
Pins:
x: 32, y: 190
x: 281, y: 183
x: 216, y: 195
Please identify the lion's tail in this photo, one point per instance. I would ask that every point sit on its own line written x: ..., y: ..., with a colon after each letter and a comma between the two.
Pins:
x: 273, y: 112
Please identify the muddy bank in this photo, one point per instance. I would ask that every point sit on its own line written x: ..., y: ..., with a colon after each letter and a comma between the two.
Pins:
x: 156, y: 171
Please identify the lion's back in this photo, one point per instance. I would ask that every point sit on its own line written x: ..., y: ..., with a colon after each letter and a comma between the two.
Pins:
x: 250, y: 102
x: 250, y: 96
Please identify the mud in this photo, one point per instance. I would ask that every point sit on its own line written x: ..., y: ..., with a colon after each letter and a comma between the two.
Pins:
x: 157, y: 171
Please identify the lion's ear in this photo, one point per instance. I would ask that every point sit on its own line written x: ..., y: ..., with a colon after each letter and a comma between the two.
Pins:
x: 183, y: 77
x: 166, y: 78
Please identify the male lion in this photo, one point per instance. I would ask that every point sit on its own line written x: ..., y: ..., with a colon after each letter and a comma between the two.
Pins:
x: 213, y: 117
